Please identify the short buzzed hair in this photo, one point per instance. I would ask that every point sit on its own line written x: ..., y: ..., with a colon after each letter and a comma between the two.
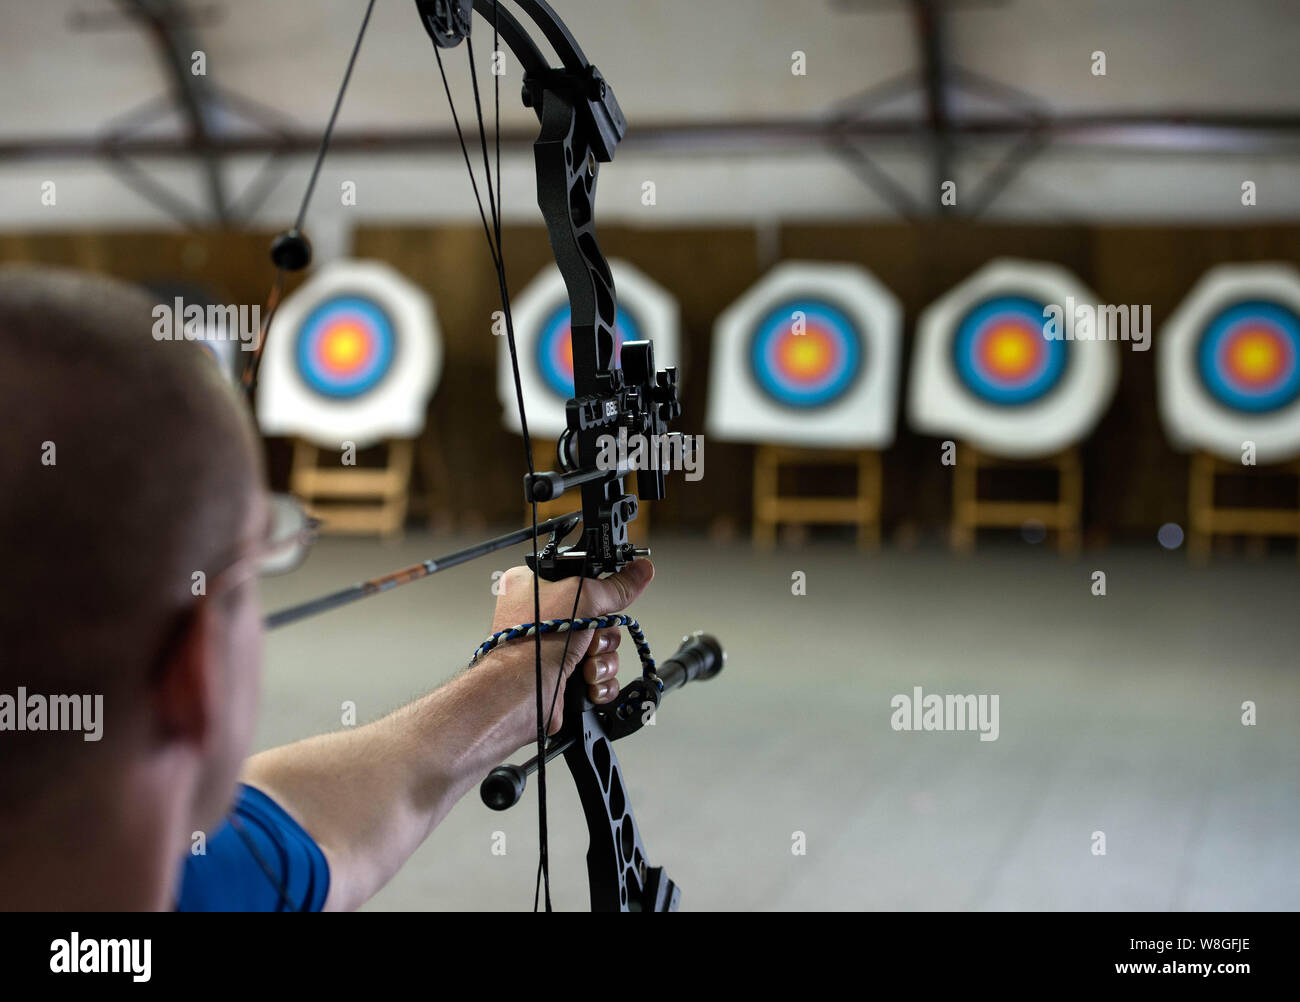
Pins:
x: 127, y: 464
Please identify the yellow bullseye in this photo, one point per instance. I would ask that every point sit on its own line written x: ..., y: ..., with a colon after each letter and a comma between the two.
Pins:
x: 1256, y: 356
x: 344, y: 347
x: 1010, y: 351
x: 806, y: 355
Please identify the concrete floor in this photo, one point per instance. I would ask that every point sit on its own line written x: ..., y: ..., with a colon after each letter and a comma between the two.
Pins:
x: 1119, y: 714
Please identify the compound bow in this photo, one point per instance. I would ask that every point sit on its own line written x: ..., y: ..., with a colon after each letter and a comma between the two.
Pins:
x: 581, y: 125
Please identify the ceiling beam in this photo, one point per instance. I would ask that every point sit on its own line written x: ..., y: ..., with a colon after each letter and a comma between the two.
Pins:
x: 1156, y: 132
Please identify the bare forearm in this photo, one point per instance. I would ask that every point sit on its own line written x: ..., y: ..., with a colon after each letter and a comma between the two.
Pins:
x: 370, y: 796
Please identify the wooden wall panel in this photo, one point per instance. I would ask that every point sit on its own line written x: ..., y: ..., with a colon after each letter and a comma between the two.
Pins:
x: 233, y: 264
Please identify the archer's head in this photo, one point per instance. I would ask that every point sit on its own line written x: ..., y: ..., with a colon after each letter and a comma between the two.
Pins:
x: 132, y: 497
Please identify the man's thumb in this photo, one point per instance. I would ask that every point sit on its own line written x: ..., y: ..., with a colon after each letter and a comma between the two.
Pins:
x: 616, y: 592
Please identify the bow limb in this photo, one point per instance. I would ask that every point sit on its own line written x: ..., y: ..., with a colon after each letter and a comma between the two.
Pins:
x: 567, y: 169
x: 618, y: 872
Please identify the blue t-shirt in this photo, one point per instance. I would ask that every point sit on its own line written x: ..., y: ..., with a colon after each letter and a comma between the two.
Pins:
x: 259, y: 860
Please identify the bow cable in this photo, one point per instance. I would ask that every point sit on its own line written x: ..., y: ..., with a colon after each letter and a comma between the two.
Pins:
x: 291, y: 252
x: 542, y: 886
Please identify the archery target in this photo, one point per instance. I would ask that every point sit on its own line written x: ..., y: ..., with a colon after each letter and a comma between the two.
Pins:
x: 1229, y: 364
x: 353, y: 355
x: 806, y: 353
x: 645, y: 311
x: 1001, y: 355
x: 1247, y: 356
x: 984, y: 370
x: 808, y: 356
x: 345, y: 346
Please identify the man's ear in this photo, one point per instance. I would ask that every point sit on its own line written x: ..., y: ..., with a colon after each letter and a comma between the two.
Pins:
x: 186, y: 685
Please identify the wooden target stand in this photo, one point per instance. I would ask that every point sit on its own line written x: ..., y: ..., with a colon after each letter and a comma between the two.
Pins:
x: 970, y: 512
x: 351, y: 499
x: 1206, y: 520
x: 638, y: 531
x: 772, y: 508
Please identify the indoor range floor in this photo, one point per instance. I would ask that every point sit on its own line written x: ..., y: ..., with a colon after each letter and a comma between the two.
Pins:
x: 781, y: 784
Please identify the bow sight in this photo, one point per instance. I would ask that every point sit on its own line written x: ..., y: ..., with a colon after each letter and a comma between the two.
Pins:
x: 641, y: 401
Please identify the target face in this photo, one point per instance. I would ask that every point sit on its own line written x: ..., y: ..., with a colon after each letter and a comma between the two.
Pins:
x: 806, y: 353
x: 985, y: 371
x: 353, y: 355
x: 808, y: 356
x: 345, y: 346
x: 1001, y: 355
x: 645, y: 312
x: 1249, y: 357
x: 555, y: 347
x: 1229, y: 364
